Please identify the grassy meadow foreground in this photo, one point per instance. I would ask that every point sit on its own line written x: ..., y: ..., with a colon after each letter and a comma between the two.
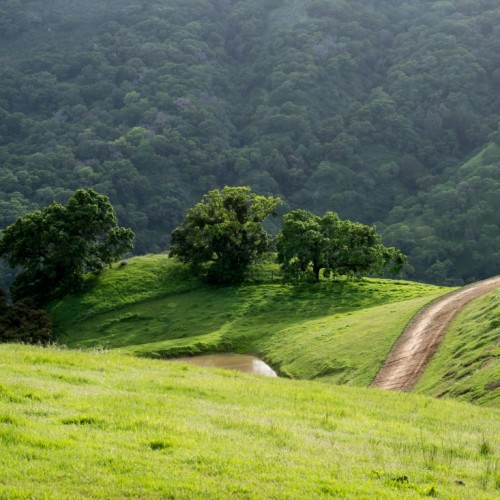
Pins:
x: 339, y: 332
x: 101, y: 424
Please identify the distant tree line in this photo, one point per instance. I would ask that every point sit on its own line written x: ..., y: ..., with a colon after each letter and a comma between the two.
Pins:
x: 369, y: 109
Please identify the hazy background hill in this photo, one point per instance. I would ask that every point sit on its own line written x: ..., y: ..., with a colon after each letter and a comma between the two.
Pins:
x: 384, y: 111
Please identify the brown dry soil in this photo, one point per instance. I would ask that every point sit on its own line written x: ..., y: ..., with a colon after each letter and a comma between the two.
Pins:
x: 417, y: 344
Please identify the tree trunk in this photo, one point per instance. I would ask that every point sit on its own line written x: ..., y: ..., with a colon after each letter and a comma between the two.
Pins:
x: 316, y: 270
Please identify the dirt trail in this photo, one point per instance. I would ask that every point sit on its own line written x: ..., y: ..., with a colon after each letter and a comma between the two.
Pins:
x: 413, y: 350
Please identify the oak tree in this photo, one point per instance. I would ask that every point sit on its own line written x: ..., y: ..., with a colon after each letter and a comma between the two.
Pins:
x: 223, y: 234
x: 308, y: 243
x: 55, y: 247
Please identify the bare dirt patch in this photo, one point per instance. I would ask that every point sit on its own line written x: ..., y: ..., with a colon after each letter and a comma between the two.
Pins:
x: 494, y: 385
x: 415, y: 347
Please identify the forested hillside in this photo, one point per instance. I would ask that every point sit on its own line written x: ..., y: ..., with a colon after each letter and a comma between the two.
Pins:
x: 385, y: 111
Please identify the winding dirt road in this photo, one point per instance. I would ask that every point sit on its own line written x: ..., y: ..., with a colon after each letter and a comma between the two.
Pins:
x: 413, y: 350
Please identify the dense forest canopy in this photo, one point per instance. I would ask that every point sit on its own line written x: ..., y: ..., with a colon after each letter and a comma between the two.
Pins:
x: 385, y: 111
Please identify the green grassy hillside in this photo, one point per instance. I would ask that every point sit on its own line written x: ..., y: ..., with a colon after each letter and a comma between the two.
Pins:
x: 104, y: 425
x: 467, y: 364
x: 337, y: 331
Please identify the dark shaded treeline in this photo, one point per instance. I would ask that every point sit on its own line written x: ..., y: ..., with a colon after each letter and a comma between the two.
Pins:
x: 370, y: 109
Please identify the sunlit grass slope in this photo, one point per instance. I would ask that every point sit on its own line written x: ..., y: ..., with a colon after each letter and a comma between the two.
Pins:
x: 103, y: 425
x: 152, y: 307
x: 467, y: 364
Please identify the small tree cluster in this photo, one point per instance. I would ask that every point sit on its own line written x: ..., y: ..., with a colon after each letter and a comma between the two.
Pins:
x: 23, y: 322
x: 309, y: 243
x: 222, y: 235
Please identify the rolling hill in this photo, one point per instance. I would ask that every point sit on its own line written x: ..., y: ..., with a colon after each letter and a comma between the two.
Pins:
x: 338, y: 331
x: 386, y: 112
x: 108, y: 423
x: 104, y: 425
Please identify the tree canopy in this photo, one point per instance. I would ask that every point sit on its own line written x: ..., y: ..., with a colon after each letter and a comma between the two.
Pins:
x: 223, y: 234
x: 308, y: 243
x: 55, y: 247
x: 371, y: 109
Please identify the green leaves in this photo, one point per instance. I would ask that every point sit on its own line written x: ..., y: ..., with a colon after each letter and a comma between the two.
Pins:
x: 355, y: 106
x: 57, y: 246
x: 223, y: 234
x: 308, y: 243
